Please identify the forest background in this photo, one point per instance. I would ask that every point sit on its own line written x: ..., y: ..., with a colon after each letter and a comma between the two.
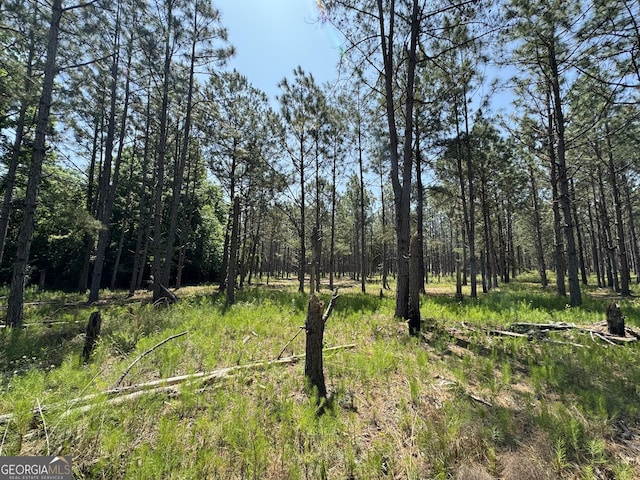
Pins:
x: 134, y: 150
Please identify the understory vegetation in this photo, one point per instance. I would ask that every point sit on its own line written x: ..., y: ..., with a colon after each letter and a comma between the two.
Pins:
x: 454, y: 402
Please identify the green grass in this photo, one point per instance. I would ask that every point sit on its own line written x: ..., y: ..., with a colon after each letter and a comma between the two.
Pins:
x: 402, y: 407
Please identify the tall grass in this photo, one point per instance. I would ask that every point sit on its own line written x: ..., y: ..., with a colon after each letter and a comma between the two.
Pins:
x: 401, y: 407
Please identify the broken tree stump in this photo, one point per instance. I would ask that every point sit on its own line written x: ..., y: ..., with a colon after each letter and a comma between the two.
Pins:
x: 615, y: 320
x: 92, y: 334
x: 313, y: 368
x: 314, y: 326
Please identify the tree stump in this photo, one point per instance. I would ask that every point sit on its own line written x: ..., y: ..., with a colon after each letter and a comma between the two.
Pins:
x: 615, y: 320
x: 314, y: 325
x: 91, y: 337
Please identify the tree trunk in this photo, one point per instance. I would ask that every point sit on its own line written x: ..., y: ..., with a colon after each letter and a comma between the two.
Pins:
x: 537, y: 228
x: 595, y: 248
x: 401, y: 189
x: 186, y: 218
x: 255, y: 240
x: 108, y: 184
x: 607, y: 241
x: 385, y: 267
x: 233, y: 255
x: 576, y: 221
x: 139, y: 259
x: 491, y: 275
x: 502, y: 244
x: 126, y: 227
x: 559, y: 258
x: 575, y: 295
x: 470, y: 221
x: 363, y: 250
x: 315, y: 264
x: 632, y: 228
x: 511, y: 244
x: 116, y: 263
x: 303, y: 251
x: 317, y: 233
x: 89, y: 241
x: 617, y: 205
x: 10, y: 176
x: 420, y: 212
x: 158, y: 251
x: 459, y: 296
x: 249, y: 218
x: 414, y: 288
x: 180, y: 165
x: 15, y: 302
x: 313, y: 367
x: 332, y: 242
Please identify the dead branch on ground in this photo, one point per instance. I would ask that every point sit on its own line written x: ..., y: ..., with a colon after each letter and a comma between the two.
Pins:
x: 170, y: 385
x: 144, y: 354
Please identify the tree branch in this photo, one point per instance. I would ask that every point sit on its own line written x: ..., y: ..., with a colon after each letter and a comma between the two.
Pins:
x: 332, y: 303
x: 124, y: 374
x: 80, y: 5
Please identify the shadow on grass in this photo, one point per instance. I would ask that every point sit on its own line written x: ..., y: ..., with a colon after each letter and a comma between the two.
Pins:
x: 575, y: 395
x: 38, y: 347
x: 522, y: 298
x: 43, y: 345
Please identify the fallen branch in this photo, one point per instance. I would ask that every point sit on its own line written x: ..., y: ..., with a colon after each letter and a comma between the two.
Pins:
x: 171, y: 384
x: 528, y: 336
x: 504, y: 333
x: 452, y: 383
x: 289, y: 342
x: 596, y: 330
x: 519, y: 326
x: 142, y: 355
x: 572, y: 344
x: 46, y: 323
x: 479, y: 400
x: 612, y: 339
x: 171, y: 390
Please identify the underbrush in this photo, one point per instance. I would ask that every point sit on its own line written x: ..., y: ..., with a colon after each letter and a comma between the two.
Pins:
x: 454, y: 403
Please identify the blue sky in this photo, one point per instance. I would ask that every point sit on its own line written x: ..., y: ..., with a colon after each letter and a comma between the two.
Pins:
x: 272, y: 37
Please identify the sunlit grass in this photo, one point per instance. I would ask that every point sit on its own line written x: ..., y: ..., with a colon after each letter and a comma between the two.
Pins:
x: 402, y: 407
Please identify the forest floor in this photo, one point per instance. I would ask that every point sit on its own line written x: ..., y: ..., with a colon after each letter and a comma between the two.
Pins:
x: 460, y: 401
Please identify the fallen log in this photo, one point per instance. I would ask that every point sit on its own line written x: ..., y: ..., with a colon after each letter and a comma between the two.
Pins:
x: 504, y: 333
x: 521, y: 327
x: 170, y: 384
x: 496, y: 333
x: 613, y: 339
x: 598, y: 329
x: 46, y: 323
x: 528, y: 336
